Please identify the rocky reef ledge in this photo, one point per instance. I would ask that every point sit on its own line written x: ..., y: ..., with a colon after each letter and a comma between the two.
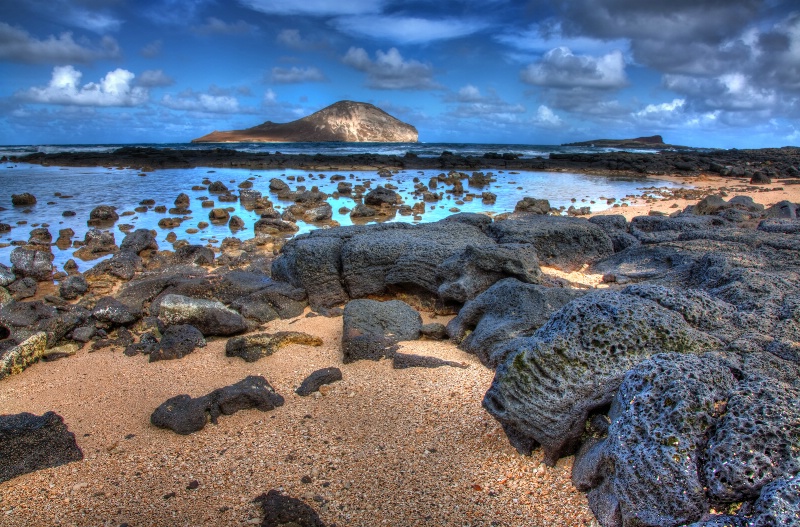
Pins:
x: 764, y: 163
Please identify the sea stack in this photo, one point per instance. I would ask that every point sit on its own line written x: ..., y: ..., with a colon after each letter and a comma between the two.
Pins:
x: 345, y: 121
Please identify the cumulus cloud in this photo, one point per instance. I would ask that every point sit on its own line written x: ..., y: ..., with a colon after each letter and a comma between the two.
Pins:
x: 202, y: 102
x: 154, y: 79
x: 314, y: 7
x: 115, y: 89
x: 295, y: 75
x: 291, y: 38
x: 215, y: 26
x: 407, y: 30
x: 560, y: 68
x: 731, y: 92
x: 546, y: 118
x: 390, y: 71
x: 17, y: 45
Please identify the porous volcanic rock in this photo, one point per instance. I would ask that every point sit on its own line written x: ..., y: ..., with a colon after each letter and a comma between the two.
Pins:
x: 183, y: 414
x: 371, y: 329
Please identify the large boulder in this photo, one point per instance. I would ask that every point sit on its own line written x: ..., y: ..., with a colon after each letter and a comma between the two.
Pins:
x: 35, y: 263
x: 505, y: 311
x: 573, y: 365
x: 209, y: 316
x: 183, y: 414
x: 564, y: 243
x: 465, y: 275
x: 30, y: 442
x: 688, y: 432
x: 372, y: 329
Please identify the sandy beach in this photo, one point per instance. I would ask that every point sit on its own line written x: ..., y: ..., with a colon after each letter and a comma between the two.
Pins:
x: 381, y: 447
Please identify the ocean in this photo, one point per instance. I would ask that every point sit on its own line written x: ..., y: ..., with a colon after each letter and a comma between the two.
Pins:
x: 67, y: 189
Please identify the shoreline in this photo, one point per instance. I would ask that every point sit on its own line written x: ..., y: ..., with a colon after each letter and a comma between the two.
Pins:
x: 773, y: 162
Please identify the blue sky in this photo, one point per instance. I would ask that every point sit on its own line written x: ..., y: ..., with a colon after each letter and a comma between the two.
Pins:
x: 717, y: 73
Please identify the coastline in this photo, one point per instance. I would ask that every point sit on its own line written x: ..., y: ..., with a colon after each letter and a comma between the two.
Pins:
x: 383, y: 446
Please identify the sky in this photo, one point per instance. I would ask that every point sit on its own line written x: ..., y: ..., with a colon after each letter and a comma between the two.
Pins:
x: 706, y: 73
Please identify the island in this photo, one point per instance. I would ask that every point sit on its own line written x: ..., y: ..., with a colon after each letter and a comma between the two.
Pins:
x: 647, y: 143
x: 345, y: 121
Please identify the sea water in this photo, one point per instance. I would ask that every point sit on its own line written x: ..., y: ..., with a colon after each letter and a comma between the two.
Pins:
x: 60, y: 189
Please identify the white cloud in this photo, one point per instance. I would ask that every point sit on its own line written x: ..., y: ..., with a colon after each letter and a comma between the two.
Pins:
x: 560, y: 68
x: 17, y: 45
x: 546, y: 118
x: 202, y: 102
x: 469, y: 93
x: 407, y: 30
x: 544, y: 36
x: 154, y: 79
x: 390, y: 71
x: 270, y: 98
x: 729, y: 92
x: 319, y: 8
x: 658, y: 110
x: 295, y: 75
x: 115, y: 89
x: 215, y: 26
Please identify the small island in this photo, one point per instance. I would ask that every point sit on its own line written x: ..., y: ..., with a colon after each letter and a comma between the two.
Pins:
x: 647, y: 143
x: 346, y: 121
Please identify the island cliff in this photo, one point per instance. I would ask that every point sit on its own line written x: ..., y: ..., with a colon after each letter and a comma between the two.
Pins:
x: 346, y: 121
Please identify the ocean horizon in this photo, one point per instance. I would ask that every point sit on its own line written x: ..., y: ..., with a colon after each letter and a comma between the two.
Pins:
x: 421, y: 149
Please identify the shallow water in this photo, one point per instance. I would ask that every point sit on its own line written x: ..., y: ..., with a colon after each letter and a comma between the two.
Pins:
x: 82, y: 189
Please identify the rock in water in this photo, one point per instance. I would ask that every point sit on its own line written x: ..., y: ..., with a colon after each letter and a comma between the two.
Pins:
x: 343, y: 121
x: 29, y: 442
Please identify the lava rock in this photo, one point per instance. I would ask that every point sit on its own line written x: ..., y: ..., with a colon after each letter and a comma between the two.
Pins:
x: 26, y: 198
x: 318, y: 378
x: 102, y: 216
x: 285, y: 511
x: 184, y: 415
x: 564, y: 243
x: 177, y: 342
x: 72, y: 287
x: 209, y: 316
x: 254, y: 347
x: 372, y: 329
x: 37, y: 264
x: 548, y: 385
x: 507, y: 310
